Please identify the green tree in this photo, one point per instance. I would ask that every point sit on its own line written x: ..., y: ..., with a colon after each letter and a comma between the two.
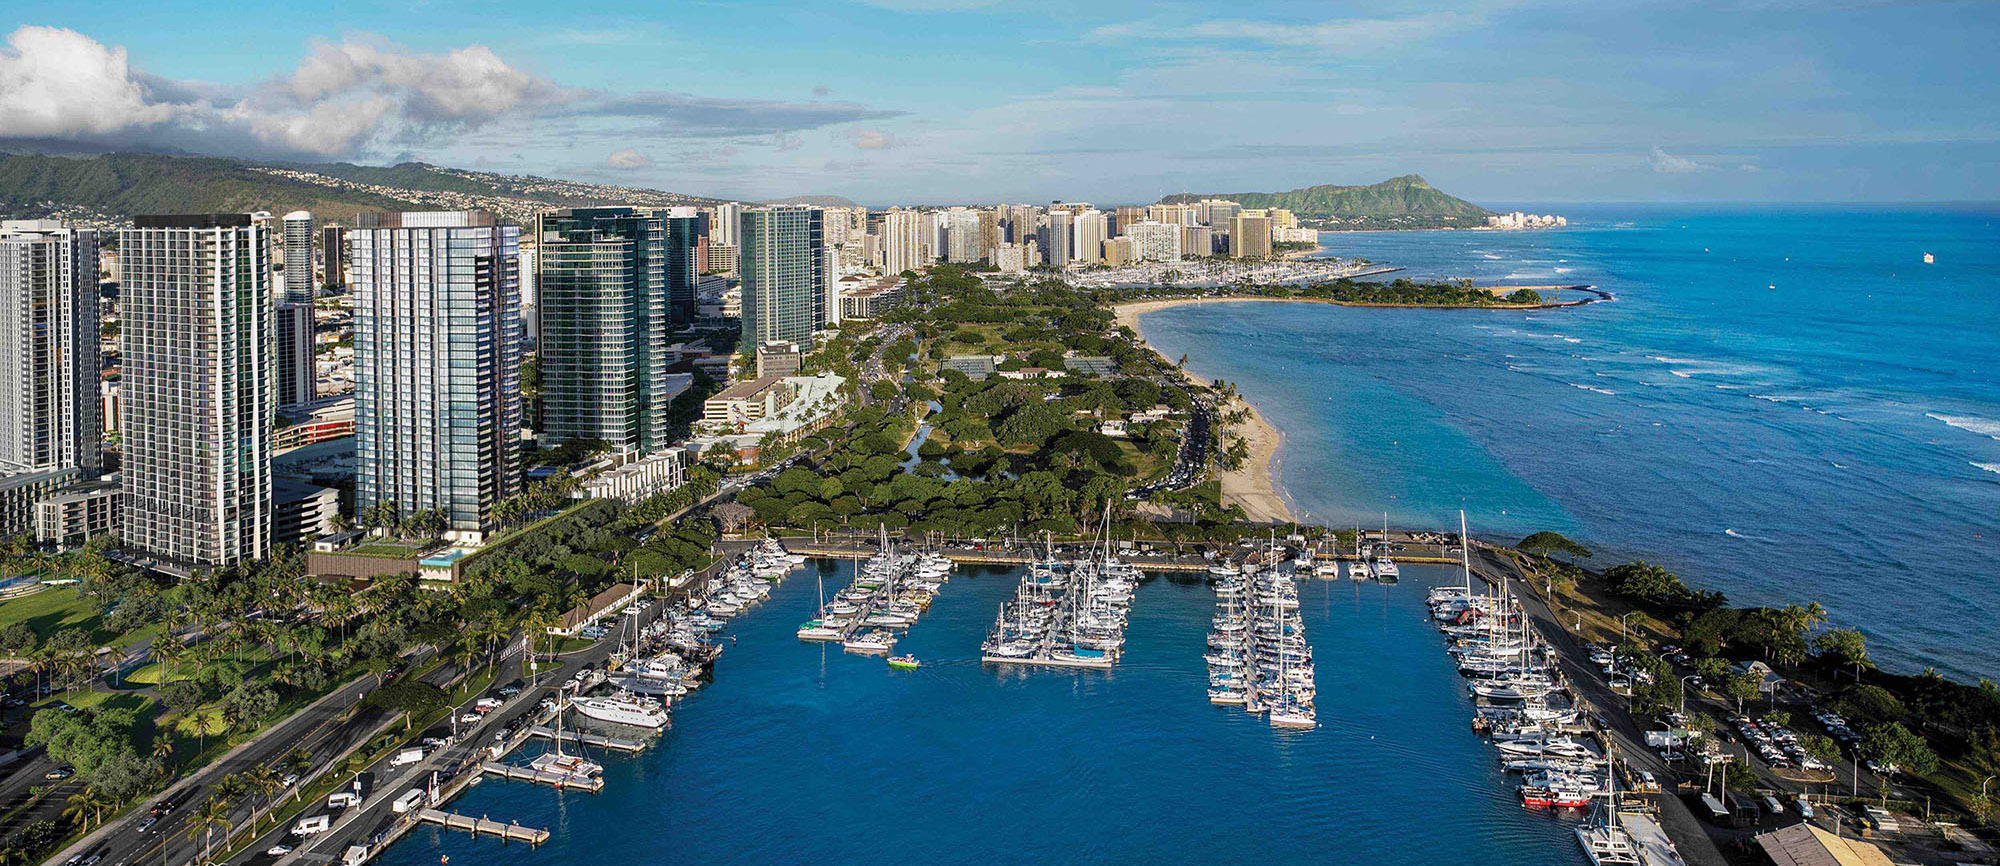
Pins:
x: 1890, y: 742
x: 1742, y: 686
x: 1547, y: 544
x: 1845, y: 647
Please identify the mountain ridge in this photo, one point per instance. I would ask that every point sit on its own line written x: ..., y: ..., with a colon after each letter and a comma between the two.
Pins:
x: 115, y: 186
x: 1399, y: 201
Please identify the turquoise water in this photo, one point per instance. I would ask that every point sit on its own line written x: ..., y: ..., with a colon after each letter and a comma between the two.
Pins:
x: 799, y: 753
x: 1784, y: 404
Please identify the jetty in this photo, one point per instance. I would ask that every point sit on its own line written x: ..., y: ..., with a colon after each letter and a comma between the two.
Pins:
x: 565, y: 781
x: 484, y: 827
x: 592, y: 740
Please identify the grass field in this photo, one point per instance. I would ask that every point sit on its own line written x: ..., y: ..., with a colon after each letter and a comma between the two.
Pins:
x: 53, y: 609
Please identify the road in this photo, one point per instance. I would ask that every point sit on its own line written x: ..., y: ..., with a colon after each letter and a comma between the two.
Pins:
x: 1628, y: 738
x: 365, y: 822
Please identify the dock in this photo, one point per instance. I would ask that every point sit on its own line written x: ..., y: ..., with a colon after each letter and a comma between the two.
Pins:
x: 592, y: 740
x: 1096, y: 664
x: 529, y: 774
x: 482, y: 826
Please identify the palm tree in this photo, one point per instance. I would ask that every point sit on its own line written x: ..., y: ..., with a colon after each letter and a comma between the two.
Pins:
x: 86, y: 807
x: 213, y: 813
x: 297, y: 763
x: 163, y: 749
x: 265, y: 781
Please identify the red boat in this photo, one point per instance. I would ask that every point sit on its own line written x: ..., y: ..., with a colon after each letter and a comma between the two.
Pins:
x: 1554, y: 798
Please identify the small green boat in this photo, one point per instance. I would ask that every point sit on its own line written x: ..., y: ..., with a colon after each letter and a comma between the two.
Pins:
x: 905, y: 662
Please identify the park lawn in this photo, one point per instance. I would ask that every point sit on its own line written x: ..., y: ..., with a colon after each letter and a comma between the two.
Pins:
x: 61, y: 607
x: 52, y: 610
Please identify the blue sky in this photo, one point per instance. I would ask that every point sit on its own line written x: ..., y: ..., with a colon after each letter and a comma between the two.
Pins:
x: 1022, y: 100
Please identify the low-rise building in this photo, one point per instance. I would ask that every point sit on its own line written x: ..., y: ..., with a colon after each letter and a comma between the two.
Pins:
x: 301, y: 512
x: 640, y: 479
x: 75, y: 515
x: 20, y: 491
x: 322, y: 421
x: 777, y: 358
x: 745, y: 402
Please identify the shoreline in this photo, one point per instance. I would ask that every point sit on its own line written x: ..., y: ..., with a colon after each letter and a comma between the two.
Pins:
x: 1254, y: 487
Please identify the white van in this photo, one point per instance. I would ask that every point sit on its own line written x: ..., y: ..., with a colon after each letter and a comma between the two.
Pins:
x: 411, y: 799
x: 342, y: 799
x: 407, y: 756
x: 312, y: 825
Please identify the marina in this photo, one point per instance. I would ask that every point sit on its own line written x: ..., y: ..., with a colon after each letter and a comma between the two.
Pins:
x: 960, y: 736
x: 1066, y: 614
x: 1537, y: 725
x: 890, y: 591
x: 1259, y: 658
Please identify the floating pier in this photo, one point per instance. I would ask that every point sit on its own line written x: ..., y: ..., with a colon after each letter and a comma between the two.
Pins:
x: 592, y: 740
x: 484, y: 827
x: 529, y: 774
x: 1101, y: 663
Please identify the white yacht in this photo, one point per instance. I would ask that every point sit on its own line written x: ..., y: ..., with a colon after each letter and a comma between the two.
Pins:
x: 622, y: 710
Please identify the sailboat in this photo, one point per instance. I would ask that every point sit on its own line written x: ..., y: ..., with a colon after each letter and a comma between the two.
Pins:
x: 1603, y: 840
x: 1385, y: 568
x: 556, y: 762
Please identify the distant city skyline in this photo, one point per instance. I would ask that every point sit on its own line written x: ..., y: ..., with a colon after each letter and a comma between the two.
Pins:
x: 890, y: 101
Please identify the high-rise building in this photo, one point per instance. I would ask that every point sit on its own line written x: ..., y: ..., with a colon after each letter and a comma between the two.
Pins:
x: 723, y: 259
x: 1155, y: 241
x: 1058, y: 238
x: 437, y: 357
x: 724, y: 223
x: 1020, y: 222
x: 1091, y: 228
x: 603, y: 279
x: 1118, y: 251
x: 1125, y: 215
x: 196, y: 338
x: 1198, y: 241
x: 682, y: 232
x: 784, y: 285
x: 963, y: 239
x: 298, y: 241
x: 333, y: 256
x: 1250, y: 235
x: 295, y: 312
x: 49, y: 401
x: 902, y: 241
x: 1216, y: 212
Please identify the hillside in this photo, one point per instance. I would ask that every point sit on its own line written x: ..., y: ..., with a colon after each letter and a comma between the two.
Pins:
x: 1400, y: 202
x: 814, y: 201
x: 112, y: 187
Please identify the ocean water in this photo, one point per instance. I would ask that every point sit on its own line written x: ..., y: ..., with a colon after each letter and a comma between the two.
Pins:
x: 798, y: 753
x: 1785, y: 404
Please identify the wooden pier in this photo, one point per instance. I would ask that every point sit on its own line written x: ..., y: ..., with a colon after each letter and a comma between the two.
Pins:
x: 529, y: 774
x: 592, y: 740
x: 484, y: 827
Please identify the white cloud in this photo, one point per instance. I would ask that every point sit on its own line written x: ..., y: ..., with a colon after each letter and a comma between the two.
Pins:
x: 1667, y: 163
x: 360, y: 97
x: 628, y: 159
x: 57, y: 83
x: 871, y: 139
x: 1352, y: 34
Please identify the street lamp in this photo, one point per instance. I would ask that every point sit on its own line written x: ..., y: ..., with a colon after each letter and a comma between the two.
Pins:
x: 1684, y: 691
x: 1621, y: 625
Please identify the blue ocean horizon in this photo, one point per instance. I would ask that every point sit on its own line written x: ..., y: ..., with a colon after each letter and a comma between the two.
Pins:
x: 1784, y: 403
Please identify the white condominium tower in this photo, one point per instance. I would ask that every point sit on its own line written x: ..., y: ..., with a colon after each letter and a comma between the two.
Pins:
x: 295, y: 312
x: 196, y: 405
x: 49, y: 403
x: 437, y: 357
x: 902, y: 241
x: 1092, y: 228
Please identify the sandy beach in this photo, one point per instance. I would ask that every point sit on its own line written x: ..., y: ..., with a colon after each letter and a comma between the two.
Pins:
x: 1254, y: 487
